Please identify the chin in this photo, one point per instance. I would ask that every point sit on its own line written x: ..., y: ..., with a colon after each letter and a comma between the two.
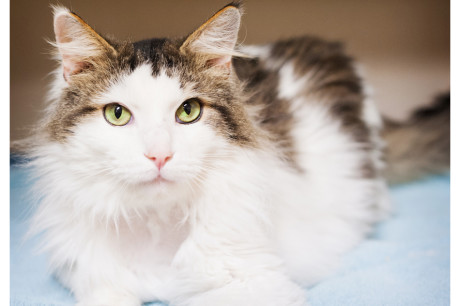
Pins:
x: 160, y: 185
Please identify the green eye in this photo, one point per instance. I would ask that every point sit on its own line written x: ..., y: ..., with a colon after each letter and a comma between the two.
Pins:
x: 116, y: 114
x: 189, y: 111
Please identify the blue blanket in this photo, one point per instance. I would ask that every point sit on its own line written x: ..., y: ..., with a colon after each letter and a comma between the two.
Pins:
x: 405, y: 262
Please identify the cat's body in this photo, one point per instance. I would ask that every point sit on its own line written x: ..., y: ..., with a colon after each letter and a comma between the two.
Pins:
x: 259, y: 195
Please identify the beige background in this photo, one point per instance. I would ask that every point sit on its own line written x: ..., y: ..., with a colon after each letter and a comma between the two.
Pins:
x: 402, y: 44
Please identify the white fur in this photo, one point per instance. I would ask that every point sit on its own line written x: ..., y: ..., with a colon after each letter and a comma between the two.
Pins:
x: 235, y: 227
x: 291, y: 85
x: 260, y: 51
x: 340, y: 205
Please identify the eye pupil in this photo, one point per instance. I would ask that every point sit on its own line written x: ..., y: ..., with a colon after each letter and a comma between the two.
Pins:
x: 187, y: 108
x: 118, y: 111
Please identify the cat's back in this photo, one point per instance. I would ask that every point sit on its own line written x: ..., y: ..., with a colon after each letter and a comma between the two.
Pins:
x: 302, y: 66
x: 303, y: 79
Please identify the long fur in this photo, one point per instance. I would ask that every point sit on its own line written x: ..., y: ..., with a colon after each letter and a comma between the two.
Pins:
x: 420, y: 145
x: 279, y: 176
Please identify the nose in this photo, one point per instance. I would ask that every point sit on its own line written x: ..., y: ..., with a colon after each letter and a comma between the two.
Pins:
x: 160, y: 159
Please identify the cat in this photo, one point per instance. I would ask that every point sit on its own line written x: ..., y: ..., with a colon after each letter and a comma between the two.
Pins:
x: 199, y: 172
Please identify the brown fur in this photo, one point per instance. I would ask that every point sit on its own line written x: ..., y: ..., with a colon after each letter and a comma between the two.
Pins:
x: 334, y: 82
x: 421, y: 145
x: 252, y: 83
x: 75, y: 102
x: 219, y: 92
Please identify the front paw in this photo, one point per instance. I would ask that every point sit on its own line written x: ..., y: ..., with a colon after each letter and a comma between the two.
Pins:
x: 110, y: 300
x: 247, y: 294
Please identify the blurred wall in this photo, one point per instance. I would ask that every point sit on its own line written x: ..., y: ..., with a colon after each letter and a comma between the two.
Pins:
x: 402, y: 44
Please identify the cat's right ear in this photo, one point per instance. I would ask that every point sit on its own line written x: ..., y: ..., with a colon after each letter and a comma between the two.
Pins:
x: 215, y: 40
x: 80, y: 47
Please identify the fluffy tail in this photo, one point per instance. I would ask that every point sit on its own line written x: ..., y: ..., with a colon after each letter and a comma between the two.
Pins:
x: 421, y: 145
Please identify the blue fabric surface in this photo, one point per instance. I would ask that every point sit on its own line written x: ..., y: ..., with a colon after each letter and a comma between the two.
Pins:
x: 405, y: 262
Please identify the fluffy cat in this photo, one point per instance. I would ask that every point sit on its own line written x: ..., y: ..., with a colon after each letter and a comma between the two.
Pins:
x: 198, y: 172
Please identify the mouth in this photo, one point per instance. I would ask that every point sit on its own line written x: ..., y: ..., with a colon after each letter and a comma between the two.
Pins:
x: 161, y: 180
x: 156, y: 180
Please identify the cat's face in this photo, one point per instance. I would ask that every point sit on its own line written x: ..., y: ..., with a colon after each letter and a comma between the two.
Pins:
x: 148, y: 143
x: 155, y: 113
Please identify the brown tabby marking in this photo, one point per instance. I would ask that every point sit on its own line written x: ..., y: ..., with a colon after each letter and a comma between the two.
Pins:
x: 421, y: 145
x: 333, y: 82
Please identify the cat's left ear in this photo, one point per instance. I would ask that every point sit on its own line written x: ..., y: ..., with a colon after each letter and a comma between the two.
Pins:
x: 80, y: 47
x: 215, y: 40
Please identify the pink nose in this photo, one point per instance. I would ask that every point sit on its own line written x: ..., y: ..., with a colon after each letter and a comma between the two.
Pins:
x: 160, y: 159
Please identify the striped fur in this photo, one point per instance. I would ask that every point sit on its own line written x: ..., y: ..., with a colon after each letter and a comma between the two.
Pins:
x: 279, y: 175
x: 421, y: 145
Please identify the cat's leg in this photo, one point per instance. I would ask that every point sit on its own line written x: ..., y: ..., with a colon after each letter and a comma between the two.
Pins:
x: 99, y: 276
x: 230, y: 261
x: 229, y: 257
x: 212, y: 276
x: 314, y: 229
x: 108, y: 297
x: 262, y: 290
x: 95, y: 290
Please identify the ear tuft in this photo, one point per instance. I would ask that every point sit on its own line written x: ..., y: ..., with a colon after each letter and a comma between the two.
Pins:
x: 78, y: 44
x: 217, y: 37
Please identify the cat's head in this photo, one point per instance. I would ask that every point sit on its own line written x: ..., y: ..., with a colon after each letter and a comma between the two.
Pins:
x: 157, y: 112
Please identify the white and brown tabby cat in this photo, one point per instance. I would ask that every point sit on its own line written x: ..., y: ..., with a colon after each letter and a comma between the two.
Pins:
x: 200, y: 173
